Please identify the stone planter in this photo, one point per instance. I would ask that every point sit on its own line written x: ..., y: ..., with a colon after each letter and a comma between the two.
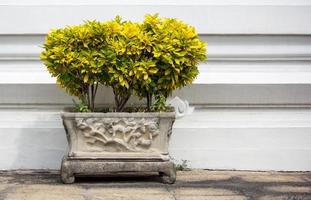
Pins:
x: 105, y: 143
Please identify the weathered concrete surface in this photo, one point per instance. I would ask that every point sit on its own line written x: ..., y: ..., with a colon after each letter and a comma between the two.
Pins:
x: 89, y: 167
x: 190, y: 185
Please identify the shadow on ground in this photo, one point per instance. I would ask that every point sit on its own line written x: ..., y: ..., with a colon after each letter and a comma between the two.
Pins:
x: 293, y: 186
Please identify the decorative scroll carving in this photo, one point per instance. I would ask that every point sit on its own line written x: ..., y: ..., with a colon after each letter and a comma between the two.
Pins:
x: 170, y: 129
x: 182, y: 107
x: 119, y: 134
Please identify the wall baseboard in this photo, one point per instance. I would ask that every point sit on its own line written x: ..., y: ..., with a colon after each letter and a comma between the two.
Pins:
x: 209, y: 138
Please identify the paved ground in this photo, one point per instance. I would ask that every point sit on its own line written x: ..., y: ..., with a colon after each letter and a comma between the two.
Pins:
x: 190, y: 185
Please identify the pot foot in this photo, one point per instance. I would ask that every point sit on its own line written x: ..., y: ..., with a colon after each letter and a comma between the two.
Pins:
x: 68, y: 179
x: 67, y: 175
x: 168, y: 174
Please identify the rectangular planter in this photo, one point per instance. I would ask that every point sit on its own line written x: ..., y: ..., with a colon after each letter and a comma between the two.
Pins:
x: 102, y: 143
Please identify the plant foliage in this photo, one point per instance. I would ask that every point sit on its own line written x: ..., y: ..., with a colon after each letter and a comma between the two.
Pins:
x: 176, y: 50
x: 149, y: 59
x: 72, y: 55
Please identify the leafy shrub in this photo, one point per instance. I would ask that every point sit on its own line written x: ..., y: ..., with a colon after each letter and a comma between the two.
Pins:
x: 176, y: 50
x: 72, y: 55
x: 149, y: 59
x: 128, y: 64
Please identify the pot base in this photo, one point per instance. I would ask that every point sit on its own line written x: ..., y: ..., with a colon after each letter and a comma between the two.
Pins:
x: 92, y: 167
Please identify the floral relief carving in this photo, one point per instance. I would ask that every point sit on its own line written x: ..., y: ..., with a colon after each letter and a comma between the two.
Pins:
x: 118, y: 134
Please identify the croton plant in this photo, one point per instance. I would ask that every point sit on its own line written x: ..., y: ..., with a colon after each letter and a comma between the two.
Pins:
x: 149, y: 59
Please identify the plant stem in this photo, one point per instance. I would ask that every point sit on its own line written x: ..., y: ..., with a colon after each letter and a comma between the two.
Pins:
x: 92, y: 98
x: 149, y: 100
x: 88, y: 96
x: 121, y: 100
x: 93, y: 95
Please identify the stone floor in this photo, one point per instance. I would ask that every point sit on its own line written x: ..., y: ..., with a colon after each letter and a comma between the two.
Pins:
x: 190, y: 185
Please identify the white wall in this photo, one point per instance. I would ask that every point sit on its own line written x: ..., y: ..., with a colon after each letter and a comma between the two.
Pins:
x: 252, y: 98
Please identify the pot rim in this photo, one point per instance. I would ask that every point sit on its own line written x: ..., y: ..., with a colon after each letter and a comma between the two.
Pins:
x: 66, y: 113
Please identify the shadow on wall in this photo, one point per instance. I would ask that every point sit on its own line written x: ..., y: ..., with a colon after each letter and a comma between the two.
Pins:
x: 51, y: 94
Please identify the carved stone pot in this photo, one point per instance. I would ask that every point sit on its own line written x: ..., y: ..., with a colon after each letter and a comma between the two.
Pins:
x: 113, y: 143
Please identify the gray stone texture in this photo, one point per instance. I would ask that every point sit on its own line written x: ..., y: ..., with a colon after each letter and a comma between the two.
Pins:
x: 114, y: 143
x: 77, y: 167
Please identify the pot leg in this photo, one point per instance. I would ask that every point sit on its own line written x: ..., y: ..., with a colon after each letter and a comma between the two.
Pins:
x: 168, y: 174
x: 67, y: 175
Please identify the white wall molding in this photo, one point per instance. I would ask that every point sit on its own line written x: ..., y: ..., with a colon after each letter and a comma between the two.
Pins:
x: 159, y: 2
x: 235, y: 95
x: 220, y: 47
x: 209, y: 19
x: 232, y: 59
